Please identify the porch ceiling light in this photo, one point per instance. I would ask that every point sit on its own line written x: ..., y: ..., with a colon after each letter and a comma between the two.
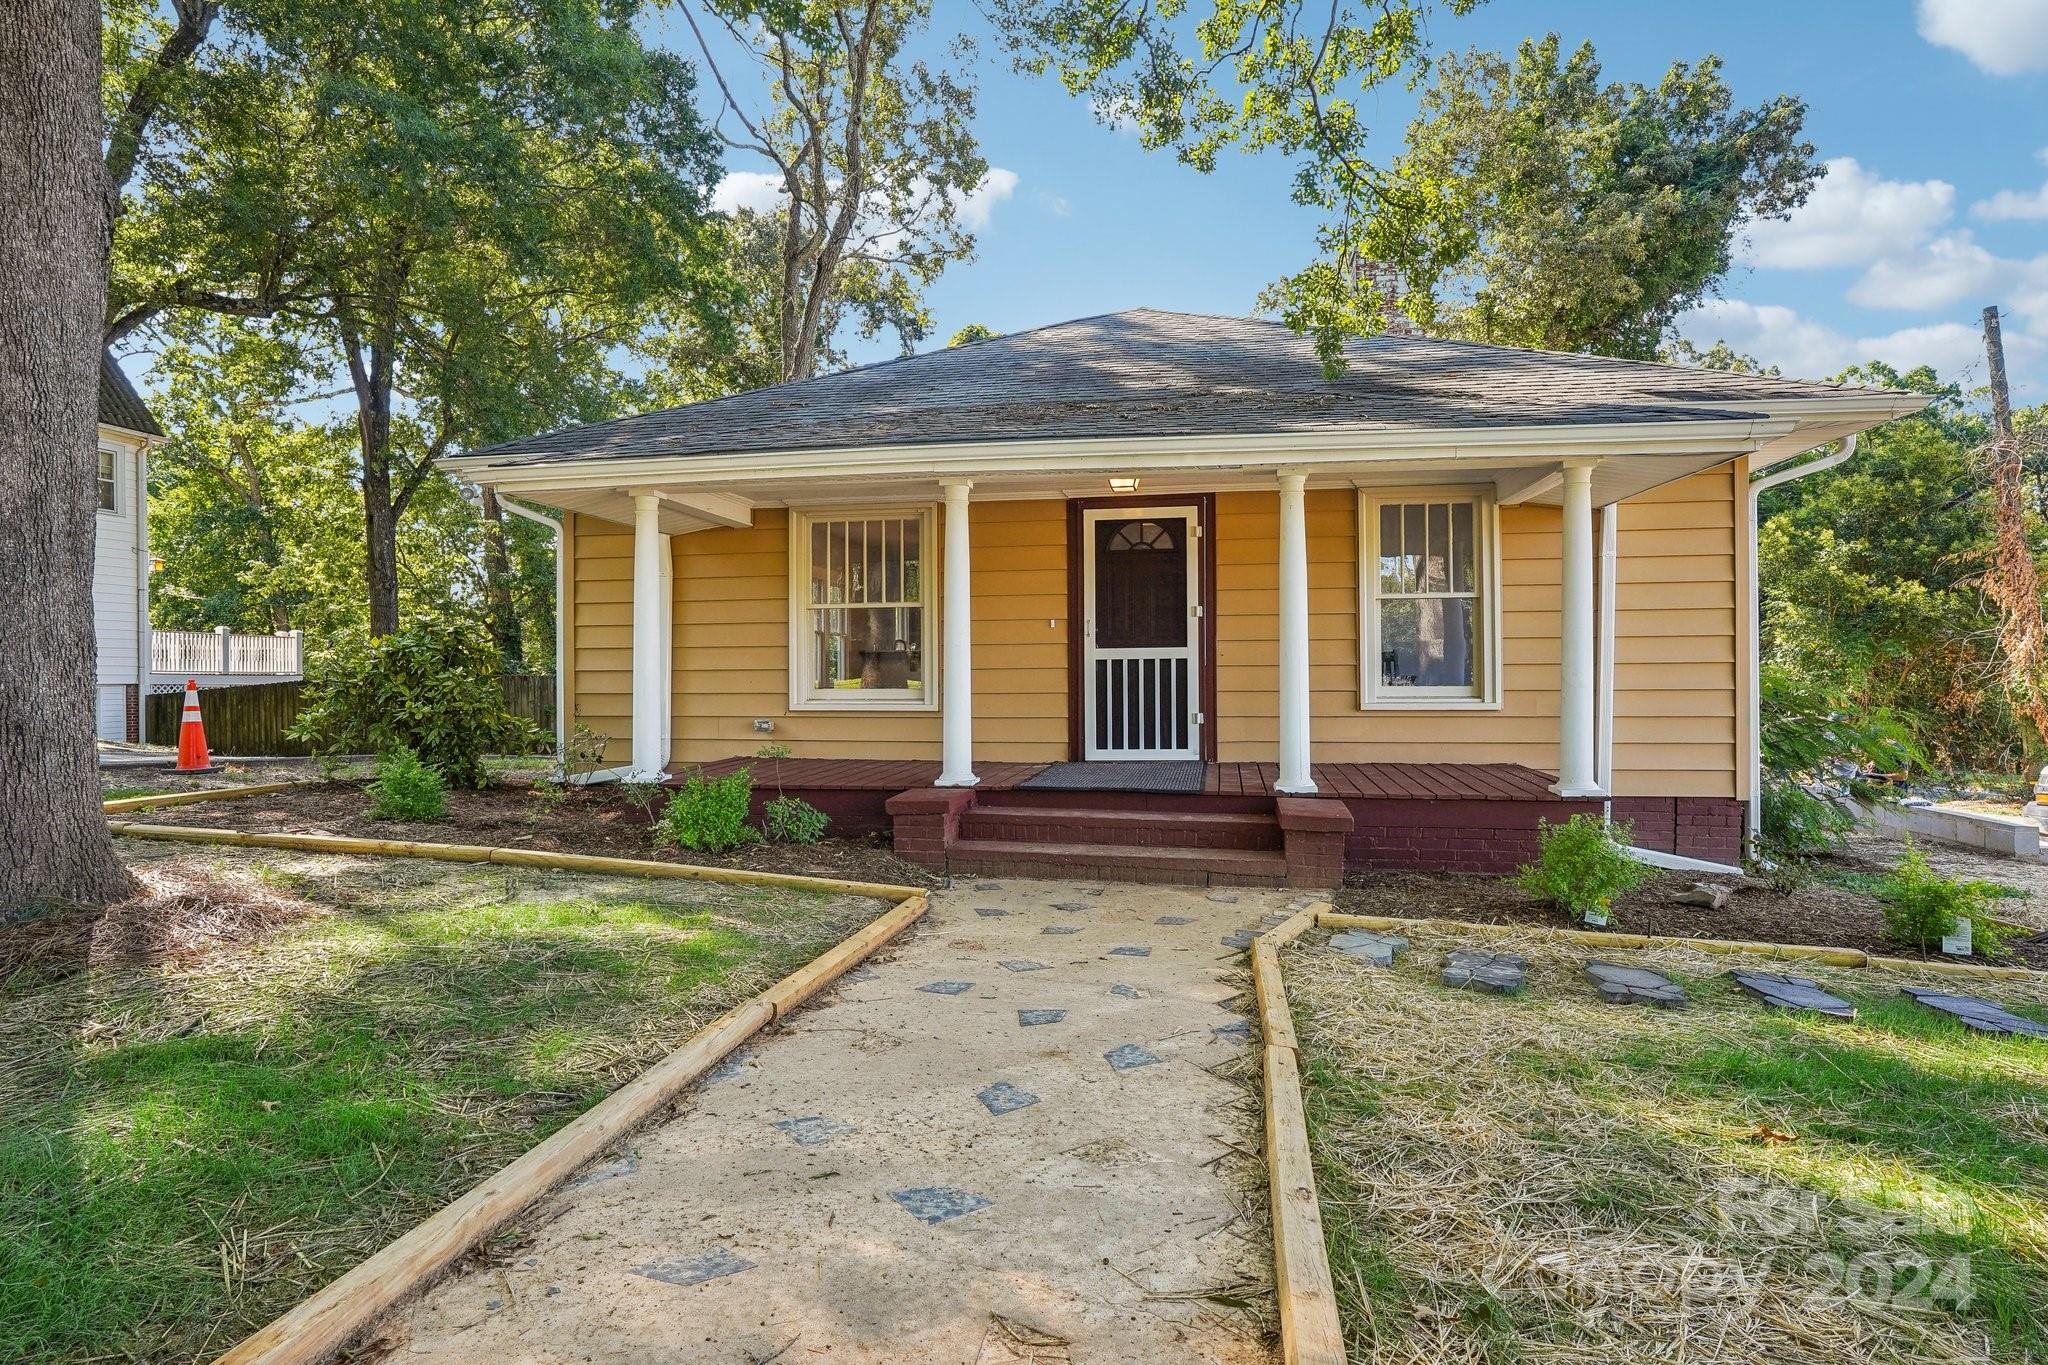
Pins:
x: 1125, y: 484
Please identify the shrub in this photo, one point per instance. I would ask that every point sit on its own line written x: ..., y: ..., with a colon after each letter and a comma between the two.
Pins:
x: 406, y: 789
x: 709, y: 815
x: 793, y: 820
x: 1799, y: 822
x: 431, y: 687
x: 1809, y: 736
x: 1580, y: 867
x: 1921, y: 907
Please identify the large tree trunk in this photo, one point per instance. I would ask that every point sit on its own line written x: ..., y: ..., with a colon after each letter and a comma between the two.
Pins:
x: 498, y: 587
x: 54, y: 845
x: 371, y: 375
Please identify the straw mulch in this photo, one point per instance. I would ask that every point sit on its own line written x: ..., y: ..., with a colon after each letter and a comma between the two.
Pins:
x: 1537, y: 1202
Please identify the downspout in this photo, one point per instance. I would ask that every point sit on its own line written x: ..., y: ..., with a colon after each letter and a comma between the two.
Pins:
x: 145, y: 645
x: 1784, y: 471
x: 1603, y: 720
x: 561, y: 589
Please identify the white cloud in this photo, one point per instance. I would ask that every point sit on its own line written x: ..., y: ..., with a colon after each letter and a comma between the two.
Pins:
x: 1853, y: 217
x: 760, y: 191
x: 2001, y: 37
x: 1946, y: 270
x: 977, y: 204
x: 1055, y: 204
x: 1779, y: 336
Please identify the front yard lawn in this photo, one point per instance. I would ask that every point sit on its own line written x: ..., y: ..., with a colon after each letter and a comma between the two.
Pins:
x: 1550, y: 1177
x: 214, y: 1103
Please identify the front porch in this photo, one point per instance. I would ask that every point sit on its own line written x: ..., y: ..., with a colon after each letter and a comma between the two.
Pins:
x: 1239, y: 828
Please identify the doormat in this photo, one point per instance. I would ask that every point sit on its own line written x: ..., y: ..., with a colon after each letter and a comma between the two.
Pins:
x: 1171, y: 776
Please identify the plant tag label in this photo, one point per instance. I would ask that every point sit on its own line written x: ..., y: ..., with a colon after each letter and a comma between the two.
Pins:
x: 1597, y: 918
x: 1958, y: 943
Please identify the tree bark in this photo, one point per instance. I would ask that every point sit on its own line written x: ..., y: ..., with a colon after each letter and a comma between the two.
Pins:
x: 370, y: 371
x: 498, y: 587
x: 53, y: 287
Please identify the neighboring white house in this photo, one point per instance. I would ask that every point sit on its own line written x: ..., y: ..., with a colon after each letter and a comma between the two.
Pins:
x: 120, y: 577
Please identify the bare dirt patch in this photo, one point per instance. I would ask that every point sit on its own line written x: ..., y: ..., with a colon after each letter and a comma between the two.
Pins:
x: 517, y: 813
x: 1832, y: 905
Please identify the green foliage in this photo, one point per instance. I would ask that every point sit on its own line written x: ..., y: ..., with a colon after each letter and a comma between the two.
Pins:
x: 1580, y: 867
x: 431, y: 687
x: 793, y: 820
x: 1809, y: 737
x: 1921, y: 906
x: 1800, y: 823
x: 971, y: 333
x: 709, y: 815
x: 406, y: 789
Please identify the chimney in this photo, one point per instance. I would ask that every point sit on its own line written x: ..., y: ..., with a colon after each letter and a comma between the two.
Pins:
x: 1387, y: 280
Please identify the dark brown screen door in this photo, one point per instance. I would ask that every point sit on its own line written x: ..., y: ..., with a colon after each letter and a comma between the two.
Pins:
x: 1141, y: 686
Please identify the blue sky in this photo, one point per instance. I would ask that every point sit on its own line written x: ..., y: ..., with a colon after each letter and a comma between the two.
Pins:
x: 1933, y: 115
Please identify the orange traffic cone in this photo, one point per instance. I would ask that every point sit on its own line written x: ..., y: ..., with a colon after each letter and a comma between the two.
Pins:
x: 192, y: 755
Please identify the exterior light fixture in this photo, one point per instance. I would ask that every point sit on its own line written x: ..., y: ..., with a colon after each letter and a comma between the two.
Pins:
x: 1123, y: 485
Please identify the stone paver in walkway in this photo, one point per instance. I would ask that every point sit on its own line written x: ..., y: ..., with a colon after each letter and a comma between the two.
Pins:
x: 1793, y: 993
x: 1985, y: 1016
x: 1475, y: 969
x: 1378, y: 949
x: 1623, y: 985
x: 901, y: 1174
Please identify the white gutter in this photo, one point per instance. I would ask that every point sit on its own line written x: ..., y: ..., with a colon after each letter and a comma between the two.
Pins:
x: 561, y: 589
x: 145, y: 646
x: 1678, y: 862
x: 1603, y: 720
x: 1759, y: 482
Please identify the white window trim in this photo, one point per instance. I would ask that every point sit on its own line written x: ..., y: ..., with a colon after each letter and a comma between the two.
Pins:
x: 805, y: 697
x: 114, y: 482
x: 1486, y: 519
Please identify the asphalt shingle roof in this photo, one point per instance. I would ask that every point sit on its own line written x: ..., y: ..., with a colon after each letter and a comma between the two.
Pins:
x: 120, y: 405
x: 1151, y: 373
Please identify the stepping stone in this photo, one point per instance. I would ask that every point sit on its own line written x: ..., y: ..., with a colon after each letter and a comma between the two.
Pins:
x: 1239, y: 938
x: 1237, y: 1029
x: 1275, y: 920
x: 860, y: 973
x: 1301, y: 903
x: 814, y: 1131
x: 934, y: 1204
x: 1478, y: 970
x: 1175, y: 919
x: 687, y: 1270
x: 1032, y: 1018
x: 1985, y: 1016
x: 1071, y: 907
x: 1019, y: 964
x: 611, y: 1170
x: 1621, y: 985
x: 988, y: 886
x: 1061, y: 929
x: 1130, y: 1055
x: 1793, y: 993
x: 1378, y: 949
x: 1223, y: 898
x: 947, y: 987
x: 1003, y: 1098
x: 1128, y: 951
x: 730, y: 1067
x: 1127, y: 992
x: 989, y: 912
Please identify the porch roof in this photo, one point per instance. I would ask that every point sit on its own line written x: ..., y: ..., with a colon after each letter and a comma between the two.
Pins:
x: 1148, y: 374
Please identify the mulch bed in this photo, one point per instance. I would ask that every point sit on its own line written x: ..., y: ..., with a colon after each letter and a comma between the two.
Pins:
x: 509, y: 814
x: 1810, y: 911
x: 176, y: 915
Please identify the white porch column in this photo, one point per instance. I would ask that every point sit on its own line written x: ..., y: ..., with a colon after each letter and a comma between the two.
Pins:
x: 956, y: 703
x: 650, y: 667
x: 1577, y: 757
x: 1297, y: 776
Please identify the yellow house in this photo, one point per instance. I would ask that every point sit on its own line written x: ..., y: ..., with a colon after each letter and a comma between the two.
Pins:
x: 1150, y: 594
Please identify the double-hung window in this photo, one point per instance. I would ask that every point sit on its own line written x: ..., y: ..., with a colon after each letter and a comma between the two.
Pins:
x: 1430, y: 599
x: 861, y: 609
x: 109, y: 481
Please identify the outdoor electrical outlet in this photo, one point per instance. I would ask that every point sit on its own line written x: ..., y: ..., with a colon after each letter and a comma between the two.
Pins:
x: 766, y: 727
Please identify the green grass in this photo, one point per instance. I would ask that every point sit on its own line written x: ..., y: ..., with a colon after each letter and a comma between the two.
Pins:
x: 186, y: 1151
x: 1565, y: 1130
x: 123, y: 793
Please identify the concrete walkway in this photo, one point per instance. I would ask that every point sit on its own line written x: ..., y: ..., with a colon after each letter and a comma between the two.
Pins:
x: 998, y: 1142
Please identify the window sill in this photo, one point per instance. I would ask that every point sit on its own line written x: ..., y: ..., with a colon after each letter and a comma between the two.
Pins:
x: 1430, y: 704
x: 843, y: 703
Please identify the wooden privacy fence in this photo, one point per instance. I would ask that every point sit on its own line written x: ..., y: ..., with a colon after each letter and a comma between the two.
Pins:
x: 250, y: 721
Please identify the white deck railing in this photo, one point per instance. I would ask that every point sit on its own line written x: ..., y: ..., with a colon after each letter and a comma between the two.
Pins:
x: 221, y: 651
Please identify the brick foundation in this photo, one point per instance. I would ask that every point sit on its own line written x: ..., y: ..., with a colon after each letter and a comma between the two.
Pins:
x: 927, y: 819
x: 1450, y: 835
x: 1705, y: 827
x: 1313, y: 831
x: 132, y: 700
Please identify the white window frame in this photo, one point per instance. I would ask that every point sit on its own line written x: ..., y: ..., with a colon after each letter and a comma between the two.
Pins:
x: 1485, y: 694
x: 804, y: 695
x: 110, y: 482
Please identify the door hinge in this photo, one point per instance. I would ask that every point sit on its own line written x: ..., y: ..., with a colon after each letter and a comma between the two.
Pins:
x: 1201, y: 719
x: 1198, y: 611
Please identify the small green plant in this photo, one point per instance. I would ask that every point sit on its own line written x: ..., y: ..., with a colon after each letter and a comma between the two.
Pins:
x: 406, y: 789
x: 582, y: 751
x: 643, y: 797
x: 548, y: 797
x: 773, y: 750
x: 709, y: 815
x: 1922, y: 907
x: 1580, y: 867
x: 793, y: 820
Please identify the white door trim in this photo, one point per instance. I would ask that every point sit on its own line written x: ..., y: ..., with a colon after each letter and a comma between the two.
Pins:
x: 1132, y: 663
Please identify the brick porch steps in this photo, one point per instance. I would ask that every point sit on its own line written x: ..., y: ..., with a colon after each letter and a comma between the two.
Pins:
x: 1118, y: 862
x: 1135, y: 828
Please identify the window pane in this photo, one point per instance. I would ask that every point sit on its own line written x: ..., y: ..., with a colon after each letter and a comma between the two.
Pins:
x: 1462, y: 548
x: 1390, y: 547
x: 1436, y: 576
x: 1413, y: 541
x: 1428, y: 642
x: 864, y: 649
x: 913, y: 560
x: 820, y: 559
